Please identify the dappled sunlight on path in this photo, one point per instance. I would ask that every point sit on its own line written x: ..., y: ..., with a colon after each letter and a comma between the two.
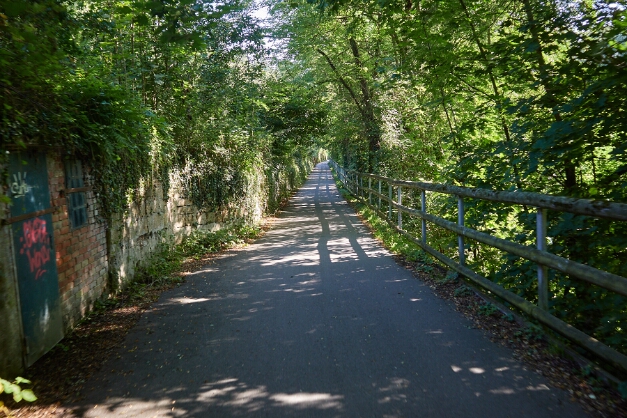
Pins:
x: 314, y: 319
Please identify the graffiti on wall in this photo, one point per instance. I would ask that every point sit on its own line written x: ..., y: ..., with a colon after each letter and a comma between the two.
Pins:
x: 35, y: 244
x: 19, y: 187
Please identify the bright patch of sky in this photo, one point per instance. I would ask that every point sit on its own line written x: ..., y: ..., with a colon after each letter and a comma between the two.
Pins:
x: 261, y: 11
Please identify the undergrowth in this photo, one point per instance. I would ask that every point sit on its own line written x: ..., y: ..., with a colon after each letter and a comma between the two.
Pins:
x: 200, y: 243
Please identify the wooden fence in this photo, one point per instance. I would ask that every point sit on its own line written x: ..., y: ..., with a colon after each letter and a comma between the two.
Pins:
x: 354, y: 182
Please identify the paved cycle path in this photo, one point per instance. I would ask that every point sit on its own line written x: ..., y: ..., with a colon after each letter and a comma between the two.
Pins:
x: 313, y: 320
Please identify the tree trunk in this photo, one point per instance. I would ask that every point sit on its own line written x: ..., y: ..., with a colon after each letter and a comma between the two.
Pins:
x: 373, y: 131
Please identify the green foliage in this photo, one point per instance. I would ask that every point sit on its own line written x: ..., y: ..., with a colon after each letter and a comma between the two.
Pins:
x: 140, y: 90
x: 16, y: 391
x: 463, y: 291
x: 424, y: 268
x: 450, y: 277
x: 165, y: 260
x: 418, y: 255
x: 531, y: 332
x: 487, y: 309
x: 33, y: 39
x: 200, y: 243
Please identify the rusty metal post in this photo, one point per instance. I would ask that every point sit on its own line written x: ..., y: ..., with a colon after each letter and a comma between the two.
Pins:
x: 543, y: 280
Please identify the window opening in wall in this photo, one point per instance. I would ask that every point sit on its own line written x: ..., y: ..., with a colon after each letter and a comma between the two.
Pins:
x: 75, y: 193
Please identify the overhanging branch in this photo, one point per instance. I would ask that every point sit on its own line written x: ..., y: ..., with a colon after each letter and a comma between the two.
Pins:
x: 341, y: 79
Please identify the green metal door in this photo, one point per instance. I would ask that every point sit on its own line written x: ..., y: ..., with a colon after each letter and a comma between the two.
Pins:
x: 35, y: 259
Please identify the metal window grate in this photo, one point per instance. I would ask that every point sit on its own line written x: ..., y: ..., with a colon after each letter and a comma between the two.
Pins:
x: 76, y: 202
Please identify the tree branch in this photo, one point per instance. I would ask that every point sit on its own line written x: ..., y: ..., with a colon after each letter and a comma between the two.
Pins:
x: 341, y: 79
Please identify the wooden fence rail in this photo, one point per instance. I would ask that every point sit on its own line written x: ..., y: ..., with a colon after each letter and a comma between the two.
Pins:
x: 354, y: 182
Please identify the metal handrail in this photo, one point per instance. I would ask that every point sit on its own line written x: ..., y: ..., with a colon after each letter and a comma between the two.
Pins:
x: 353, y: 181
x: 597, y: 208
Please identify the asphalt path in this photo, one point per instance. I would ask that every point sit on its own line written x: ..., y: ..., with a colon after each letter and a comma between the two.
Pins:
x: 315, y: 319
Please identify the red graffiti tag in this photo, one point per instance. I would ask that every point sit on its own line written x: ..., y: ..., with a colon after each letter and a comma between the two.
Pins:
x: 35, y: 243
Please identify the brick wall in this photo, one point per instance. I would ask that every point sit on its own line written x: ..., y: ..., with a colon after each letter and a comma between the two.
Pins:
x: 80, y: 252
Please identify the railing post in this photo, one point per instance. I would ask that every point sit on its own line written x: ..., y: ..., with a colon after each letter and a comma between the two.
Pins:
x: 349, y: 180
x: 390, y: 201
x: 369, y: 190
x: 423, y: 202
x: 361, y: 185
x: 460, y: 222
x: 543, y: 282
x: 400, y: 212
x: 379, y: 205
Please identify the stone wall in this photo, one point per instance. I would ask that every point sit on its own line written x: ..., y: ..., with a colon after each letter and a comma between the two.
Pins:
x: 157, y: 217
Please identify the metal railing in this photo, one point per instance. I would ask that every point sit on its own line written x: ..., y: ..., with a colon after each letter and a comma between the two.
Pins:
x: 354, y: 182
